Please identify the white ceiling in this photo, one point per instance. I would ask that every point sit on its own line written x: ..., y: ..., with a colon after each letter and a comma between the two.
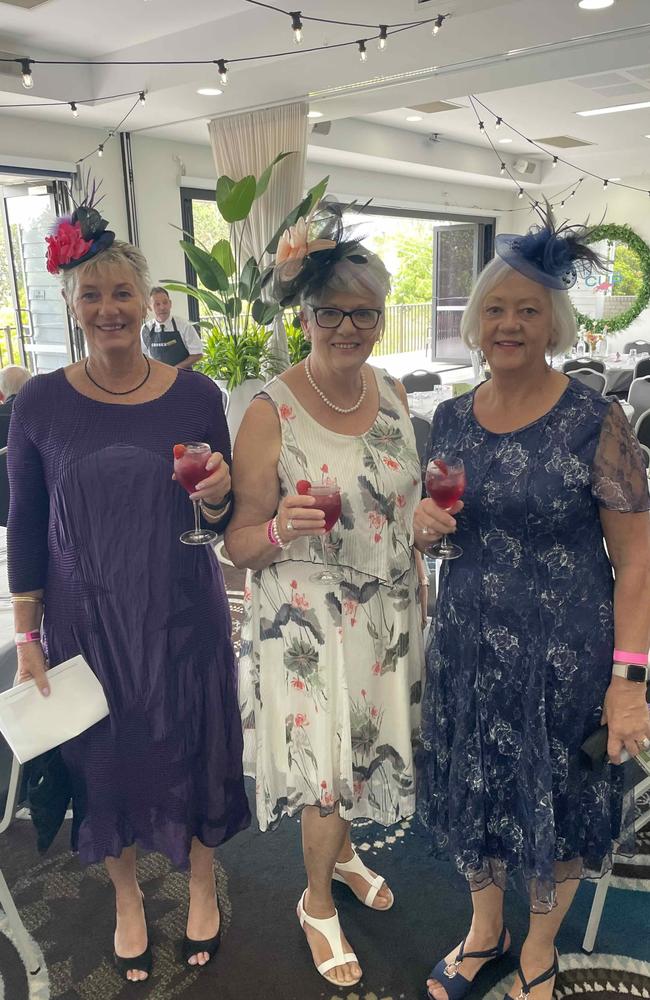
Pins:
x: 535, y: 69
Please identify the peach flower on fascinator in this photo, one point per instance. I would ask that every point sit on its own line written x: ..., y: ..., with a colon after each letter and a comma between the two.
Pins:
x: 294, y: 246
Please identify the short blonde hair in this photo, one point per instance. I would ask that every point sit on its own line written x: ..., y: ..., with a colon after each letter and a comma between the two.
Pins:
x: 565, y: 329
x: 119, y: 254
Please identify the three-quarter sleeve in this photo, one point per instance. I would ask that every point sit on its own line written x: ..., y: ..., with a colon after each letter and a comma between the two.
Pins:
x: 618, y: 475
x: 29, y: 510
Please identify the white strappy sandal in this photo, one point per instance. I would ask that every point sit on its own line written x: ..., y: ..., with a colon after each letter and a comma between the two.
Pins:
x: 330, y: 928
x: 355, y: 866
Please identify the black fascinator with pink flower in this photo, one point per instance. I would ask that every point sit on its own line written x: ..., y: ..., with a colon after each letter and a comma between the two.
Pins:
x: 550, y: 254
x: 78, y: 237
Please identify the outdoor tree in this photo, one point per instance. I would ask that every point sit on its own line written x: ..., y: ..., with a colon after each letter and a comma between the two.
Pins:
x: 627, y: 268
x: 409, y: 255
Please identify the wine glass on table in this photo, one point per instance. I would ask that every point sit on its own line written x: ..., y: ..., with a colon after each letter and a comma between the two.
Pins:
x: 445, y: 483
x: 328, y: 499
x: 190, y: 460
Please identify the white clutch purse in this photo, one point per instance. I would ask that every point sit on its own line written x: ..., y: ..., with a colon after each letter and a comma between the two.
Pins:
x: 32, y: 724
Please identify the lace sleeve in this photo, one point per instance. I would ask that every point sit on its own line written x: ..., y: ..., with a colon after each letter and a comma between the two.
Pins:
x: 618, y: 475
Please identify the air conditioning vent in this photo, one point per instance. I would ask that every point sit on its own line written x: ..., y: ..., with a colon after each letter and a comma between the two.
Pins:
x: 563, y: 141
x: 433, y: 107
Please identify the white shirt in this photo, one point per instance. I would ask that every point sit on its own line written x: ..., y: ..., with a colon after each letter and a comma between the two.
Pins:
x: 188, y: 334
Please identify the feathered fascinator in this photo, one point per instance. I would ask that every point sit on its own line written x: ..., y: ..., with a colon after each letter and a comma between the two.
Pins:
x: 78, y: 237
x: 549, y: 254
x: 308, y: 253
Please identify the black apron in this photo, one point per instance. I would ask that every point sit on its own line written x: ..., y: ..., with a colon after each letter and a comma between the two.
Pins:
x: 166, y: 345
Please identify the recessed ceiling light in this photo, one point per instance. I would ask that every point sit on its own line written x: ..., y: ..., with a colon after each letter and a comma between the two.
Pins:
x: 504, y: 141
x: 595, y: 4
x: 414, y: 118
x: 314, y: 114
x: 209, y: 91
x: 646, y: 136
x: 614, y: 109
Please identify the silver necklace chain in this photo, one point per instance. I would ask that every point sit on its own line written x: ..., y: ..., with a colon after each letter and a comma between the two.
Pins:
x: 328, y: 402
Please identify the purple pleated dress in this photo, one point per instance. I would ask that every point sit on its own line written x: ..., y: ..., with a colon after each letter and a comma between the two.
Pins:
x: 95, y: 520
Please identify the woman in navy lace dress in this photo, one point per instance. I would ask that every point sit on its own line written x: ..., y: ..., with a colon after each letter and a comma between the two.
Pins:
x: 529, y: 621
x: 94, y: 529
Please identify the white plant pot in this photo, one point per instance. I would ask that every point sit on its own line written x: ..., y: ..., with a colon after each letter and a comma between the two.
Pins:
x: 237, y: 402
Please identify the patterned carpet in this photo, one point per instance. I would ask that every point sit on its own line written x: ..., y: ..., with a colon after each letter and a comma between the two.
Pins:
x: 69, y: 915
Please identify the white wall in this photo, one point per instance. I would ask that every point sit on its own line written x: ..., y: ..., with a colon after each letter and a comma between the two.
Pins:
x: 621, y: 207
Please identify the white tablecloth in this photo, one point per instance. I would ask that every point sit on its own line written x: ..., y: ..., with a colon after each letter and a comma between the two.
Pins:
x: 619, y: 373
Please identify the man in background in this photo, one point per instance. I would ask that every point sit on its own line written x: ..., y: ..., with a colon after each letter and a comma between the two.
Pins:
x: 12, y: 378
x: 169, y: 339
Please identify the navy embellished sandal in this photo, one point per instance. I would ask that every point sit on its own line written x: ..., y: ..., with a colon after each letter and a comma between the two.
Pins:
x: 526, y: 987
x: 450, y: 978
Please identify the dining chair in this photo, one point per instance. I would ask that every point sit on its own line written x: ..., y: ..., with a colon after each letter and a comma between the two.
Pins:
x: 579, y: 364
x: 642, y: 368
x: 422, y: 430
x: 420, y: 380
x: 639, y: 397
x: 642, y: 429
x: 645, y: 451
x: 588, y: 376
x: 637, y: 345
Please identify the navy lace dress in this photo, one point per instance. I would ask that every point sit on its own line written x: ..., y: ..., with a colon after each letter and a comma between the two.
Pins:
x: 95, y: 520
x: 520, y: 656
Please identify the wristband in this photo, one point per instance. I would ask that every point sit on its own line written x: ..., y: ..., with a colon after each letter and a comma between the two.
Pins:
x: 218, y: 506
x: 621, y: 656
x: 21, y: 638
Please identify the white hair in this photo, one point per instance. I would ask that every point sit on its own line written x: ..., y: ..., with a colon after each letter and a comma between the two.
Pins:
x: 13, y: 378
x: 565, y: 330
x: 119, y: 254
x: 355, y: 279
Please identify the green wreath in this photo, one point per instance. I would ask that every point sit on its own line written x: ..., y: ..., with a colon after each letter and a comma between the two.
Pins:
x: 610, y: 231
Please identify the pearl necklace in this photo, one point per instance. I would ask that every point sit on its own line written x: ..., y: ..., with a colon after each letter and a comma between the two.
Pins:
x: 328, y: 402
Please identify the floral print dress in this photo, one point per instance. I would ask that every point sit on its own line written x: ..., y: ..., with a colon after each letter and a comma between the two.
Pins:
x: 330, y: 674
x: 520, y: 657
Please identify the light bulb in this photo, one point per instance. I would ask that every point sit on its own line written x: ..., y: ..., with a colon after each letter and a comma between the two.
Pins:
x: 605, y: 185
x: 296, y: 24
x: 503, y: 169
x: 497, y: 123
x: 73, y: 108
x: 383, y: 37
x: 223, y: 71
x: 363, y: 52
x: 26, y: 70
x: 437, y: 24
x: 481, y: 126
x: 521, y: 193
x: 555, y: 162
x: 100, y: 150
x: 142, y: 97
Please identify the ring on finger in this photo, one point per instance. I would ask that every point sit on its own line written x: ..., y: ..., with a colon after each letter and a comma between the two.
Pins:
x: 644, y: 743
x: 289, y: 525
x: 425, y: 531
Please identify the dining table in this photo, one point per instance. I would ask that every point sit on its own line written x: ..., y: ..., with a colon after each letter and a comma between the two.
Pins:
x: 619, y: 368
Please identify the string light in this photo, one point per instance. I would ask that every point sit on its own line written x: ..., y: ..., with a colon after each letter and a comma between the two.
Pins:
x: 223, y: 71
x: 481, y: 126
x: 363, y: 52
x: 521, y: 193
x: 73, y: 108
x: 100, y: 150
x: 26, y: 70
x: 142, y: 97
x: 383, y: 37
x: 503, y: 169
x: 437, y: 24
x: 556, y: 160
x: 605, y: 185
x: 296, y: 25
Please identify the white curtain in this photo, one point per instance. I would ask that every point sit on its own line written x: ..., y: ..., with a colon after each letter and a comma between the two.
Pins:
x: 246, y: 144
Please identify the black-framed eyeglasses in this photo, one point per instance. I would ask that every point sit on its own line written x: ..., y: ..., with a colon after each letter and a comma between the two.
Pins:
x: 362, y: 319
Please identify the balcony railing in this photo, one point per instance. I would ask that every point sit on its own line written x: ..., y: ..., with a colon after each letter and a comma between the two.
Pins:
x: 407, y: 328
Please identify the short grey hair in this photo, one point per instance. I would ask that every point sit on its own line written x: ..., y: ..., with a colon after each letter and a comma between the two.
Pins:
x: 565, y: 329
x: 13, y: 378
x: 355, y: 279
x: 119, y: 254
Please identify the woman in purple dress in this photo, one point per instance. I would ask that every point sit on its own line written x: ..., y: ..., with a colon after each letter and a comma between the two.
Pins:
x: 94, y: 549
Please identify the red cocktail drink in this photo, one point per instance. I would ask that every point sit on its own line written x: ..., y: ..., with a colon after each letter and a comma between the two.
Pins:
x: 190, y: 460
x: 190, y: 469
x: 445, y: 484
x: 328, y: 499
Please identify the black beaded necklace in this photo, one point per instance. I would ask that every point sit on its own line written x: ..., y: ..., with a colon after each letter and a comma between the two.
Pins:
x: 128, y: 391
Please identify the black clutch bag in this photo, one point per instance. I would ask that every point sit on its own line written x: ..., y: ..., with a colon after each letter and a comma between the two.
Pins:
x: 593, y: 755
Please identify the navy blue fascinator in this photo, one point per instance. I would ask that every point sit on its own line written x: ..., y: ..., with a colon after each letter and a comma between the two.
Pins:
x: 77, y: 238
x: 549, y: 254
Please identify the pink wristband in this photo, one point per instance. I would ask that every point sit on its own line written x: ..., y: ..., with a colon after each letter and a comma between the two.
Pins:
x: 639, y: 659
x: 21, y: 638
x: 270, y: 533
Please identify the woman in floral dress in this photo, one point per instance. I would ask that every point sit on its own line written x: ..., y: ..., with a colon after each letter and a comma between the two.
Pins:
x: 519, y: 669
x: 330, y: 674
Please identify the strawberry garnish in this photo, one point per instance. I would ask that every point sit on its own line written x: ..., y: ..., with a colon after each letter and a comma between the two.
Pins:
x: 303, y: 487
x: 439, y: 464
x: 179, y: 450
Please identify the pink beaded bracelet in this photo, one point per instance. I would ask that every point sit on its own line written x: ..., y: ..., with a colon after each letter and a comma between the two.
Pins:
x: 639, y: 659
x: 270, y: 533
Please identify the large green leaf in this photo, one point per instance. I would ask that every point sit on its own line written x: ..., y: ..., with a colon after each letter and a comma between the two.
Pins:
x: 311, y: 199
x: 222, y: 253
x: 233, y: 306
x: 208, y: 299
x: 208, y: 269
x: 265, y: 312
x: 265, y: 176
x: 234, y: 202
x: 250, y: 280
x: 225, y: 185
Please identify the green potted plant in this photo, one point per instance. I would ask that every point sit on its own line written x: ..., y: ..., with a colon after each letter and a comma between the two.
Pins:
x: 238, y: 351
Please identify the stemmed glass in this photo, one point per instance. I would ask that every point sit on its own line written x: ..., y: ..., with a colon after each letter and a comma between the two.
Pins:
x: 445, y: 484
x: 328, y: 497
x: 190, y: 460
